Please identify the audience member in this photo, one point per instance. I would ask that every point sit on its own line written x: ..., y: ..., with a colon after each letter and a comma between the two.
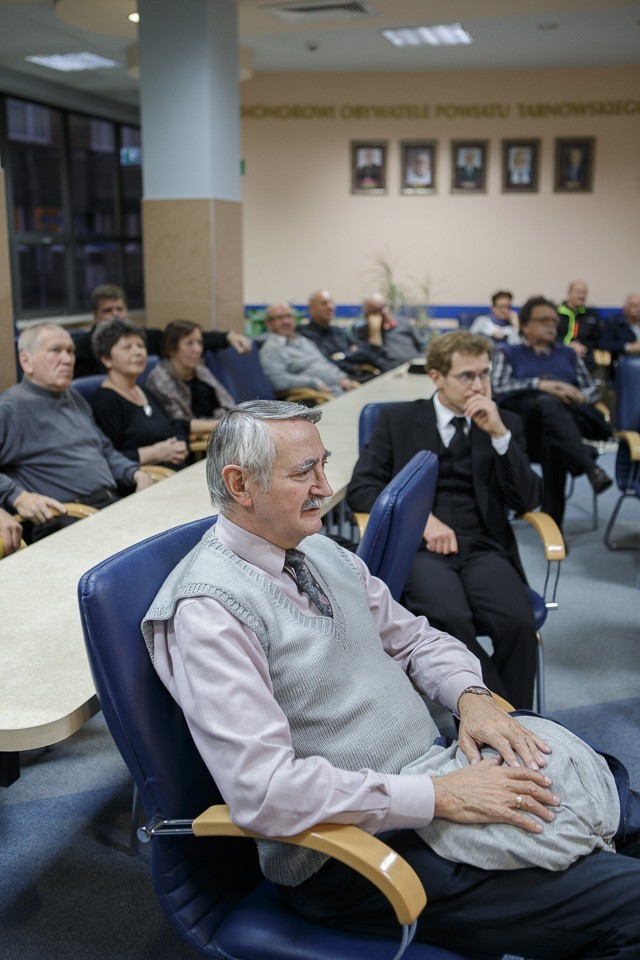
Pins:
x: 621, y: 335
x: 502, y: 323
x: 334, y: 342
x: 331, y: 669
x: 134, y: 422
x: 579, y: 326
x: 108, y: 301
x: 182, y: 383
x: 50, y: 447
x: 550, y: 387
x: 10, y: 533
x: 467, y: 576
x: 290, y: 360
x: 392, y: 341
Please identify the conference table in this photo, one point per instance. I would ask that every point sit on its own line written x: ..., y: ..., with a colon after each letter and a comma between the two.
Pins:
x: 47, y: 688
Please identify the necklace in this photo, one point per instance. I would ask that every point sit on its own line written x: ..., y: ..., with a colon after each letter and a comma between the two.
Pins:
x: 146, y: 406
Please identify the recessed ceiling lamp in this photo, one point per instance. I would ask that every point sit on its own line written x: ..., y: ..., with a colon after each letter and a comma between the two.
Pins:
x: 440, y: 34
x: 74, y: 61
x: 134, y: 17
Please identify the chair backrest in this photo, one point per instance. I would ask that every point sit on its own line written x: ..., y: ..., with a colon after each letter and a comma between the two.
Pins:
x: 397, y: 520
x: 87, y: 386
x: 152, y: 735
x: 241, y: 373
x: 628, y: 401
x: 368, y: 419
x: 152, y: 360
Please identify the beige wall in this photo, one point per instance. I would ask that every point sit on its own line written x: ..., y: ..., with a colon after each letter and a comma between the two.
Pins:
x: 302, y: 228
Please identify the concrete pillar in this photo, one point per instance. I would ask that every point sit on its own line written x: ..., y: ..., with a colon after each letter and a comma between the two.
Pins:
x: 189, y: 102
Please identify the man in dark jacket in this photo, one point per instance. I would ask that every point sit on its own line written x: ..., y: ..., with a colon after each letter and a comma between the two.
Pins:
x: 466, y: 577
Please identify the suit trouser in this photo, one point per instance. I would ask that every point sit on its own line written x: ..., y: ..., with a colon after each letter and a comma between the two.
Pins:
x: 479, y: 592
x: 554, y: 432
x: 591, y: 910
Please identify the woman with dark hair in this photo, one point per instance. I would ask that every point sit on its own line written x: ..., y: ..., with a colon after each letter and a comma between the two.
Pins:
x: 136, y: 424
x: 183, y: 384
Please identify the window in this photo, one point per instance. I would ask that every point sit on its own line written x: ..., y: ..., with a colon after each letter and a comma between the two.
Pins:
x: 74, y: 189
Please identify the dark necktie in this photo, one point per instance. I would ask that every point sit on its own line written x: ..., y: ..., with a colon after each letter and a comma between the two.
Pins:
x: 307, y: 582
x: 460, y: 441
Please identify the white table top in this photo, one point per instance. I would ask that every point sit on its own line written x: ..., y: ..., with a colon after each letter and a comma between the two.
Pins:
x: 47, y: 689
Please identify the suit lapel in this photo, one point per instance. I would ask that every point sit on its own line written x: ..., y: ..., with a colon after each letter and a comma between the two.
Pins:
x: 424, y: 429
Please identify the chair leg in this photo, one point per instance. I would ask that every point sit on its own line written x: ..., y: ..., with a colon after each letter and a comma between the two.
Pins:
x: 611, y: 544
x: 540, y: 699
x: 136, y: 820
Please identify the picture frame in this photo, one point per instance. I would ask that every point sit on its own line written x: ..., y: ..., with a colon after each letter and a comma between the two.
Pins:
x: 369, y: 167
x: 574, y: 164
x: 469, y: 166
x: 520, y: 166
x: 418, y: 167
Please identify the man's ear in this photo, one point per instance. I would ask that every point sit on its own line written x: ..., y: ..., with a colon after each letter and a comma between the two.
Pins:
x: 25, y: 362
x: 436, y: 376
x: 235, y: 482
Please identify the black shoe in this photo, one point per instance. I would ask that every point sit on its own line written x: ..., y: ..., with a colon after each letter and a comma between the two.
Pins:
x: 599, y: 480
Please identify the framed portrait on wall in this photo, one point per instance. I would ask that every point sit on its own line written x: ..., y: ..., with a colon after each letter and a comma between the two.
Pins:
x: 369, y: 167
x: 469, y: 166
x: 417, y: 167
x: 575, y: 158
x: 520, y: 165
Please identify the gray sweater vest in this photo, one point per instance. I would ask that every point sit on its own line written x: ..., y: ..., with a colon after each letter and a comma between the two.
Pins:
x: 354, y: 716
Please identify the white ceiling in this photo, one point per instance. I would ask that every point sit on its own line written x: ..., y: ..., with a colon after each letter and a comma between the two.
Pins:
x: 507, y: 34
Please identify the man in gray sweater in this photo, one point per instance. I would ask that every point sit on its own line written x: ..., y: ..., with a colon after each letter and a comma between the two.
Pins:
x: 50, y: 447
x: 300, y: 676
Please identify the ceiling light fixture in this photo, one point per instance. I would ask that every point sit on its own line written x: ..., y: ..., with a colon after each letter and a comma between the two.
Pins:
x: 134, y: 17
x: 74, y: 61
x: 440, y: 34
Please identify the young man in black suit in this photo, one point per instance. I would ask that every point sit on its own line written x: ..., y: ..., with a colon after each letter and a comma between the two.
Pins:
x: 466, y: 577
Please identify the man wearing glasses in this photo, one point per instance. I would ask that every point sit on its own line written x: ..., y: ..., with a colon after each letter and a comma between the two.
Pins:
x: 466, y: 577
x: 549, y: 386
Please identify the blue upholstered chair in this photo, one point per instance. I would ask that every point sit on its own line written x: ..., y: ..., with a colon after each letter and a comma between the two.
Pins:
x: 87, y: 386
x: 209, y: 887
x: 240, y: 373
x: 546, y: 529
x: 397, y: 519
x: 628, y: 434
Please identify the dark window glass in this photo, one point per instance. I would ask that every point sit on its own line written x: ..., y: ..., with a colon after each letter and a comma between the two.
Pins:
x: 131, y: 181
x: 35, y: 158
x: 96, y: 263
x: 92, y: 158
x: 133, y: 274
x: 43, y: 277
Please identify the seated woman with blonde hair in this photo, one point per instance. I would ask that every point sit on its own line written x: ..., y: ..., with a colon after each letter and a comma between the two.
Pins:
x: 136, y: 424
x: 183, y: 384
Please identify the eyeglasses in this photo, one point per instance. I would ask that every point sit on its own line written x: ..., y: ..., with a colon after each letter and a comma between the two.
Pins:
x: 467, y: 378
x: 282, y: 316
x: 547, y: 321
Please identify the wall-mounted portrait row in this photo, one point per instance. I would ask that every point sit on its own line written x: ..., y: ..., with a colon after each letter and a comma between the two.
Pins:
x: 573, y: 169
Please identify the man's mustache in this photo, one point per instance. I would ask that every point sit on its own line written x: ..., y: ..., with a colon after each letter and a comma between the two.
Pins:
x: 315, y: 503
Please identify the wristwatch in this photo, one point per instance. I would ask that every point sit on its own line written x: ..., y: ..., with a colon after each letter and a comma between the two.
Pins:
x: 480, y: 691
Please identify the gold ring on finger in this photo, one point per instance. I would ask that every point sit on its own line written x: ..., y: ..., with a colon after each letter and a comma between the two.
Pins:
x: 518, y: 802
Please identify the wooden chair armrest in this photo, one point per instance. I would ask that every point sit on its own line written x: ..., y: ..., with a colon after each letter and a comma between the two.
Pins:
x: 602, y: 357
x: 632, y: 439
x: 361, y: 520
x: 604, y: 410
x: 297, y: 394
x: 502, y: 702
x: 359, y: 850
x: 548, y: 531
x: 21, y: 547
x: 157, y: 472
x: 79, y: 510
x: 198, y: 442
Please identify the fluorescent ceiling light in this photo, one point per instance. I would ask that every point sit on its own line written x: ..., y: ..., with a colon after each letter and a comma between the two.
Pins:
x: 441, y: 34
x: 134, y: 17
x: 74, y: 61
